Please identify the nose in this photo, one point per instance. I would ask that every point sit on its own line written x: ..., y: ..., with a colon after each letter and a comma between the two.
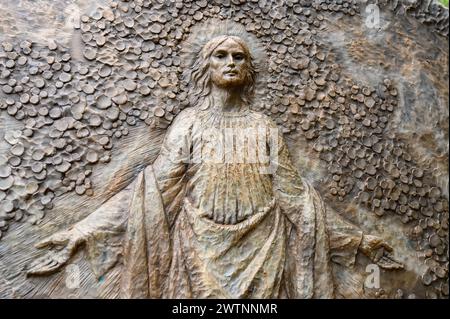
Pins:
x: 230, y: 60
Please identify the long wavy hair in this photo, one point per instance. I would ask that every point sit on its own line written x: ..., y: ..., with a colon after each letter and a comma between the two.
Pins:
x: 198, y: 76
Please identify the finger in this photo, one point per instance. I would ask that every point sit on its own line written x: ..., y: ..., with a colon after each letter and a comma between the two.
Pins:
x: 388, y: 263
x: 45, y: 270
x: 388, y: 247
x: 398, y: 264
x: 56, y: 239
x: 41, y: 261
x: 44, y: 243
x: 39, y: 265
x: 46, y: 265
x: 377, y: 254
x: 383, y: 263
x: 49, y: 241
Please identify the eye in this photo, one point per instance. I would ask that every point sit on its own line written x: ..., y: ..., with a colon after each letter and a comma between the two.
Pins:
x: 219, y: 55
x: 239, y: 57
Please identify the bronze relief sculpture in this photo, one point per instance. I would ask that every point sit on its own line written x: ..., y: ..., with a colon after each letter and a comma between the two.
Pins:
x: 223, y: 148
x: 222, y: 212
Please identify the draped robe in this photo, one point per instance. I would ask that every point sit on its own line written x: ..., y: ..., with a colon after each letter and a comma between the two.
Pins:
x: 201, y: 228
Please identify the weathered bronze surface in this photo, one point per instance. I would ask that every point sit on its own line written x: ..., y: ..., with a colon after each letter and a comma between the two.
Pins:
x: 230, y: 149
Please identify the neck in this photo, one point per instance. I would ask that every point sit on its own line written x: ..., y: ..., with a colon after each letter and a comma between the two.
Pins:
x: 227, y: 100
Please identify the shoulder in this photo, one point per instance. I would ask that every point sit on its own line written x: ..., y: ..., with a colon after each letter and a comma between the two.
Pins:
x: 181, y: 125
x: 185, y: 115
x: 184, y: 119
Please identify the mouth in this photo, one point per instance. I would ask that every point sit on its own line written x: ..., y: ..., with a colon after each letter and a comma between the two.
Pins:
x: 231, y: 72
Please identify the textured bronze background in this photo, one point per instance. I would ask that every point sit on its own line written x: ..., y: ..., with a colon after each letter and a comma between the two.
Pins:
x: 364, y: 111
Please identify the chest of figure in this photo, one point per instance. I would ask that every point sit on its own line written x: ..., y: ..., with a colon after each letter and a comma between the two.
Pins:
x: 228, y: 176
x: 232, y: 141
x: 229, y: 193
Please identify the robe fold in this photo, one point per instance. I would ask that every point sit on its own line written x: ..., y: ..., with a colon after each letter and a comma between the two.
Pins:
x: 217, y: 229
x: 263, y: 257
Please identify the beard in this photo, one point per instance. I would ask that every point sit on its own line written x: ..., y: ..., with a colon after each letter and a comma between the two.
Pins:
x: 229, y: 82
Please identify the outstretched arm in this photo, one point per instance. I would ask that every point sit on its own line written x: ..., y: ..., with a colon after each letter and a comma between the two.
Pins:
x: 111, y: 218
x: 345, y: 238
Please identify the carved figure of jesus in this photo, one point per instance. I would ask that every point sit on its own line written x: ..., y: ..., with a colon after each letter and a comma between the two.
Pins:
x: 207, y: 220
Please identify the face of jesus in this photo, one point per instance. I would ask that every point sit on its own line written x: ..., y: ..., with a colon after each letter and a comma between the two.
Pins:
x: 228, y: 64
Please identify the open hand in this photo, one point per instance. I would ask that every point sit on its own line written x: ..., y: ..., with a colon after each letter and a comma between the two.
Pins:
x: 379, y: 252
x: 62, y: 246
